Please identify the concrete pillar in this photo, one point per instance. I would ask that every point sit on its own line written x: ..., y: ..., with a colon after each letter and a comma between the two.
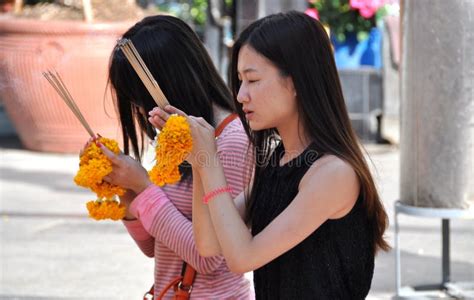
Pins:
x: 437, y: 113
x: 212, y: 41
x: 251, y: 10
x: 247, y: 12
x: 391, y: 79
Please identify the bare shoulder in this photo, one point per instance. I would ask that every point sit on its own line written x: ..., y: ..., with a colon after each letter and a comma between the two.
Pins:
x: 332, y: 167
x: 334, y: 180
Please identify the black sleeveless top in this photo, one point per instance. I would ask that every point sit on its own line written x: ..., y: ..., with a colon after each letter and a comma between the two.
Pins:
x: 335, y: 262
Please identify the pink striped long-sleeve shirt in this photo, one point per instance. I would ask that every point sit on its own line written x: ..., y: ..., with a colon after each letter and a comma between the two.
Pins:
x: 164, y: 228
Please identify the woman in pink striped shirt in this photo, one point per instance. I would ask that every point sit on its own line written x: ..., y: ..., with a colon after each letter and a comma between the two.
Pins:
x: 185, y: 73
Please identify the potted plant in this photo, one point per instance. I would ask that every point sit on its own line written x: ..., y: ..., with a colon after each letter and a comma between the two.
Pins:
x: 354, y: 32
x: 78, y: 47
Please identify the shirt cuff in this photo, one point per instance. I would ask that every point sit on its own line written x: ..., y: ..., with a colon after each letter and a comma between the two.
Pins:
x: 147, y: 204
x: 136, y: 230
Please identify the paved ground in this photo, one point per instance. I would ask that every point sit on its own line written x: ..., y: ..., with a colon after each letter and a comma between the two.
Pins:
x: 49, y: 249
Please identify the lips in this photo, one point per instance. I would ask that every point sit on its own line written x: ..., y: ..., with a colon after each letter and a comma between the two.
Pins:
x: 248, y: 113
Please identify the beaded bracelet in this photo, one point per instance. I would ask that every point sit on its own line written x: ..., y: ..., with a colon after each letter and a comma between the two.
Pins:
x: 209, y: 196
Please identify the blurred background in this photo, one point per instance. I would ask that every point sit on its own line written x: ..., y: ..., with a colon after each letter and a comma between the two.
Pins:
x: 406, y: 68
x: 76, y: 37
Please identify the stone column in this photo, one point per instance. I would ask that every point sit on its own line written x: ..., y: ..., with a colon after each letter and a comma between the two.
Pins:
x: 247, y: 12
x: 251, y: 10
x: 437, y: 112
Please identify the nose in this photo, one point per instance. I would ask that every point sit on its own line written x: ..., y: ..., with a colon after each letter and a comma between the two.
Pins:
x: 242, y: 95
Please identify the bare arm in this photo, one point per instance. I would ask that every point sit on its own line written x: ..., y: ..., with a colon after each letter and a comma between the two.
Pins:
x: 158, y: 218
x: 233, y: 152
x: 162, y: 220
x: 328, y: 190
x: 204, y: 233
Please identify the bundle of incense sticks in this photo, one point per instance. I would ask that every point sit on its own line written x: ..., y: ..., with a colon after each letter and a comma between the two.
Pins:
x: 143, y: 72
x: 58, y: 84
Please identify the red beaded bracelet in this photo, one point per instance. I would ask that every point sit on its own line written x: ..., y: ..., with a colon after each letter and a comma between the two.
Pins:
x: 208, y: 197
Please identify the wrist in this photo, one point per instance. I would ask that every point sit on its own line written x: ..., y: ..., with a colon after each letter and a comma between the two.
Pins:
x: 216, y: 192
x: 140, y: 187
x: 208, y: 164
x: 129, y: 216
x: 212, y: 177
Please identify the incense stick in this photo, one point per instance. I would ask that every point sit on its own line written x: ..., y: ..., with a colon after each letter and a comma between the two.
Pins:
x: 143, y: 72
x: 58, y: 84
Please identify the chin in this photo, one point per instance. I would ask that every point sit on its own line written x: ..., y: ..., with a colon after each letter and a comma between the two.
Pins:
x: 257, y: 127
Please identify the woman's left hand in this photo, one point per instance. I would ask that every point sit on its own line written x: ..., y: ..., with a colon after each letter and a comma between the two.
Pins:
x: 204, y: 142
x: 127, y: 172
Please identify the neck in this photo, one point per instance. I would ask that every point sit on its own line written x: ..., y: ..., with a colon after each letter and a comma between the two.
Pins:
x: 294, y: 139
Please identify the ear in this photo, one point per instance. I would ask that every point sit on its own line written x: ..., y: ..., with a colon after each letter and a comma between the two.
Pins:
x: 290, y: 85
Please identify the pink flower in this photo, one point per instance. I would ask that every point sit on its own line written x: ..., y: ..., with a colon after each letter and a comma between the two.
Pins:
x: 367, y: 8
x: 313, y: 13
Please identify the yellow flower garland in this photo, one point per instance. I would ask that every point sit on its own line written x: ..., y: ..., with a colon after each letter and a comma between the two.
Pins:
x: 93, y: 166
x: 174, y: 143
x: 108, y: 209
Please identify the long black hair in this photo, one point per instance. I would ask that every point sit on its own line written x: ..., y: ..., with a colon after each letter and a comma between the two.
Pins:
x: 300, y: 48
x: 183, y: 69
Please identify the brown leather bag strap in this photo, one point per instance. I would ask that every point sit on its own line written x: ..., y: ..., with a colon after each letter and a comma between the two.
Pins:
x: 168, y: 286
x: 182, y: 285
x: 224, y: 123
x: 149, y: 295
x: 185, y: 287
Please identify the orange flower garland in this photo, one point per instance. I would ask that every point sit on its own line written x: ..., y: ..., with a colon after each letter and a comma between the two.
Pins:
x: 93, y: 166
x: 108, y: 209
x: 174, y: 143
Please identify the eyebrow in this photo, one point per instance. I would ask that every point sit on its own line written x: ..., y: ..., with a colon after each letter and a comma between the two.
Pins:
x: 248, y: 70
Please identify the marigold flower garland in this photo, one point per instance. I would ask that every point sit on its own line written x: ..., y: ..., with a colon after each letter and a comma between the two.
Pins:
x: 174, y: 143
x: 93, y: 166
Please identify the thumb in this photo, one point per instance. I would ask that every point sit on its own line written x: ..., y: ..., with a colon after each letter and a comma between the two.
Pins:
x: 110, y: 155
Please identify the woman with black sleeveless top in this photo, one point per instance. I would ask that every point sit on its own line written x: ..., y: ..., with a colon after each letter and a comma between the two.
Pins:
x: 315, y: 218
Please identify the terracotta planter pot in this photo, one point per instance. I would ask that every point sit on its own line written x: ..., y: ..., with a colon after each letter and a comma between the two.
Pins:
x: 80, y: 53
x: 6, y: 5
